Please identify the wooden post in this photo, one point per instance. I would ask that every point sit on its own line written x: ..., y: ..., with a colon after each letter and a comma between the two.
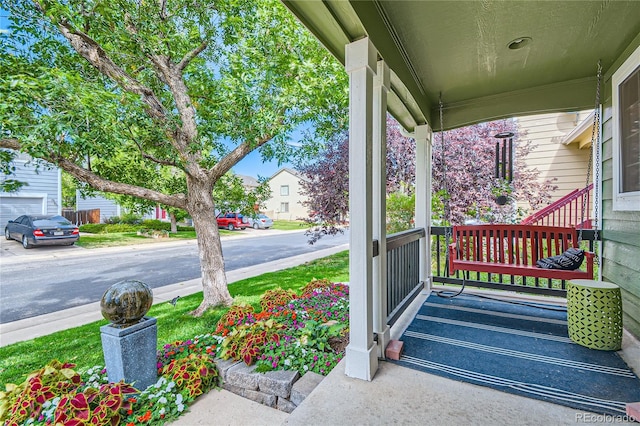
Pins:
x: 361, y: 353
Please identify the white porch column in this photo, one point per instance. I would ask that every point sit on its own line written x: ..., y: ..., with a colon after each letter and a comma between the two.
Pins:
x: 423, y: 136
x: 361, y: 353
x: 380, y: 88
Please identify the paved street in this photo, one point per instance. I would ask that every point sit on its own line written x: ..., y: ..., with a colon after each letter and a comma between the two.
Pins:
x: 36, y: 282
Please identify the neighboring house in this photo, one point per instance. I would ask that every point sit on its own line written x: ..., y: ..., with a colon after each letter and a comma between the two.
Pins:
x: 109, y: 208
x: 42, y: 193
x: 562, y: 145
x: 249, y: 182
x: 562, y: 148
x: 286, y: 200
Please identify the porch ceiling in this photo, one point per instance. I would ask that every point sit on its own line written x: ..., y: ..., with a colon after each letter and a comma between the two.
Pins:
x: 460, y: 49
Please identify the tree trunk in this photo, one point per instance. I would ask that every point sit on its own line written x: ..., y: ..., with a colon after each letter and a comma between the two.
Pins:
x: 214, y: 280
x: 174, y: 223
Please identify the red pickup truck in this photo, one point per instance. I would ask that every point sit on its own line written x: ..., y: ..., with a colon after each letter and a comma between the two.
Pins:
x: 231, y: 221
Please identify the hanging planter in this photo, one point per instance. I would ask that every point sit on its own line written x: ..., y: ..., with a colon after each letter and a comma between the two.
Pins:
x: 501, y: 200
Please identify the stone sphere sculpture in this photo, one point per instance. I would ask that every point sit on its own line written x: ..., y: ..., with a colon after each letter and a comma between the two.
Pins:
x: 126, y: 302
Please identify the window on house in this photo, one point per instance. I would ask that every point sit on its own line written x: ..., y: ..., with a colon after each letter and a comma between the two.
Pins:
x: 284, y: 207
x: 626, y: 134
x: 284, y: 190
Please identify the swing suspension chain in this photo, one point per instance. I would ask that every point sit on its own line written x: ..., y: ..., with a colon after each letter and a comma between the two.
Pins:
x: 595, y: 146
x: 445, y: 201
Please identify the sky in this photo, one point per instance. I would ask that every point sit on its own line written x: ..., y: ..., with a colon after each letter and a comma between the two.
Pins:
x: 252, y: 165
x: 4, y: 21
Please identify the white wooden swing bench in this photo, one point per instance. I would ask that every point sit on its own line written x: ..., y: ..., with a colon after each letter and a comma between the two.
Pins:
x: 514, y: 250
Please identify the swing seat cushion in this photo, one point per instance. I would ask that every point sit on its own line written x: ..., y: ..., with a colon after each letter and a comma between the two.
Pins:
x: 514, y: 250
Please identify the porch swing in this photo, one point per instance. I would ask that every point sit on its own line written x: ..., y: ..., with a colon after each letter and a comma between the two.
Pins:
x: 523, y: 250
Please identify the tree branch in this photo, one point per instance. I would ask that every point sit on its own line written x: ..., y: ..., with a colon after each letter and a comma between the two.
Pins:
x: 191, y: 55
x: 154, y: 159
x: 239, y: 152
x: 93, y: 52
x: 102, y: 184
x: 163, y: 9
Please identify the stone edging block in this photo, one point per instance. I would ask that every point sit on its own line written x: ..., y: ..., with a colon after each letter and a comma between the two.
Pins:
x: 243, y: 376
x: 277, y: 382
x: 303, y: 387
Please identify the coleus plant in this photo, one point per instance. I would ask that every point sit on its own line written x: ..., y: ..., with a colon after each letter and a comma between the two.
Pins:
x: 20, y: 402
x: 245, y: 342
x: 94, y: 406
x: 276, y: 297
x: 233, y: 317
x: 196, y: 374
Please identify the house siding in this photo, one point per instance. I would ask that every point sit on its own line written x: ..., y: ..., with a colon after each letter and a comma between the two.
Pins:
x: 43, y: 190
x: 108, y: 208
x: 620, y: 229
x: 550, y: 156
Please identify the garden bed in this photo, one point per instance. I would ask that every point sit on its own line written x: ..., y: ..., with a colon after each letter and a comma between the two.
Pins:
x: 275, y: 357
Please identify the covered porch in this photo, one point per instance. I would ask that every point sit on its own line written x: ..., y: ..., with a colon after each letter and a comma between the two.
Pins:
x: 483, y: 61
x: 399, y: 395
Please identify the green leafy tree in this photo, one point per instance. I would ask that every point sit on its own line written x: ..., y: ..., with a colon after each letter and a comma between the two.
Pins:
x: 69, y: 186
x: 112, y: 91
x: 400, y: 211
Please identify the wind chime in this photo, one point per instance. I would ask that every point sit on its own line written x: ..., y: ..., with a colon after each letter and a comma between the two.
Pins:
x: 504, y: 162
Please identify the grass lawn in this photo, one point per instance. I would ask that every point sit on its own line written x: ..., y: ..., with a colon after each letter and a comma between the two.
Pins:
x: 82, y: 345
x: 90, y: 240
x: 127, y: 238
x: 289, y: 225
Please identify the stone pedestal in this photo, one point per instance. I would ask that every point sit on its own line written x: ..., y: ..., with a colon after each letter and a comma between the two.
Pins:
x: 130, y: 352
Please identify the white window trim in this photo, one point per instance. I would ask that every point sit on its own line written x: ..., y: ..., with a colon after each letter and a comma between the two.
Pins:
x: 629, y: 201
x: 282, y: 187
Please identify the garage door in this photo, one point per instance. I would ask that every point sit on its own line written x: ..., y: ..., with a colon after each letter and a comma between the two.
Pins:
x: 12, y: 207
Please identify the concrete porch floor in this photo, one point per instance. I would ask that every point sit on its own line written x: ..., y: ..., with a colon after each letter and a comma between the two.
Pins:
x: 398, y: 395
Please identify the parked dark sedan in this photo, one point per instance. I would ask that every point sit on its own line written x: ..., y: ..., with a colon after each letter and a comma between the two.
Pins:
x: 42, y: 230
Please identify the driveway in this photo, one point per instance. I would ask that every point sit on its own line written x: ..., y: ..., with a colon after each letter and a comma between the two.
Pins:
x: 12, y: 248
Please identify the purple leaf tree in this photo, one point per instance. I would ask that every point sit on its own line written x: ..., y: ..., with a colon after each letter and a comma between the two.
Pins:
x: 464, y: 183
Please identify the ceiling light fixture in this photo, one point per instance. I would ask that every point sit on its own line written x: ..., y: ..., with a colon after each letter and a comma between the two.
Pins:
x: 519, y: 43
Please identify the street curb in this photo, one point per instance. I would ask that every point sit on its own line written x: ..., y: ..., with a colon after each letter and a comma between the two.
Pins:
x: 30, y: 328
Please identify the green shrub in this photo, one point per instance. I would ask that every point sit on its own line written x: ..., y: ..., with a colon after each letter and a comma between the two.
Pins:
x: 112, y: 220
x: 159, y: 225
x: 156, y: 224
x: 106, y: 228
x: 113, y: 229
x: 93, y: 228
x: 131, y: 219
